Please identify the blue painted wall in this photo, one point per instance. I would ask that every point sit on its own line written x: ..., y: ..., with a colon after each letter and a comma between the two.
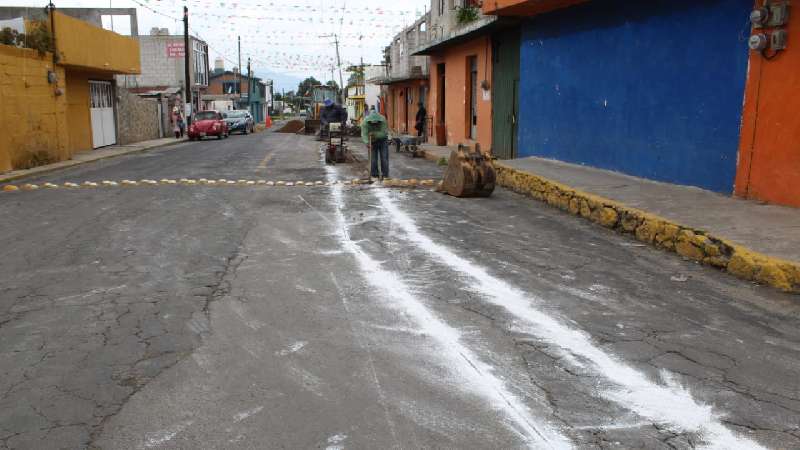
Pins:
x: 649, y: 88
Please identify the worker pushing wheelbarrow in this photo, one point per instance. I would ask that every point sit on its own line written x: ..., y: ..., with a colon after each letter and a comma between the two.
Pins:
x: 336, y: 150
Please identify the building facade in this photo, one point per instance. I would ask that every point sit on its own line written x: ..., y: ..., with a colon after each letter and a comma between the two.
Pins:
x: 162, y: 57
x: 65, y: 105
x: 372, y: 90
x: 240, y: 92
x: 355, y: 103
x: 461, y: 71
x: 405, y: 78
x: 655, y: 105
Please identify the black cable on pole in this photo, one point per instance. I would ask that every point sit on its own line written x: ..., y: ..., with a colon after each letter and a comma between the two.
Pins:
x: 187, y: 81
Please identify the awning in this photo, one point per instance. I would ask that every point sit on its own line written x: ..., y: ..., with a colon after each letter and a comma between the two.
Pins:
x: 385, y: 81
x: 486, y: 24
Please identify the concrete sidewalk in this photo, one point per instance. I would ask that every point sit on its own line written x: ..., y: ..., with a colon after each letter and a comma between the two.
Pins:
x: 89, y: 156
x: 435, y: 153
x: 751, y: 240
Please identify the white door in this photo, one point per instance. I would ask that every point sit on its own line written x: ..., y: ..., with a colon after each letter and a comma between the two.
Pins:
x: 104, y: 131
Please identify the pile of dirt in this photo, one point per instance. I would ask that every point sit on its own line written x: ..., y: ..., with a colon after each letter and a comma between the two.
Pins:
x: 292, y: 126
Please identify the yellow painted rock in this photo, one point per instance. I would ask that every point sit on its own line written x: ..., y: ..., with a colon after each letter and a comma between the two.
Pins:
x: 202, y: 181
x: 241, y: 181
x: 319, y: 183
x: 112, y: 184
x: 280, y: 183
x: 230, y: 183
x: 50, y: 186
x: 211, y: 182
x: 413, y: 182
x: 89, y: 184
x: 270, y: 183
x: 309, y: 183
x: 10, y: 188
x: 70, y: 185
x: 30, y: 187
x: 261, y: 182
x: 191, y: 182
x: 289, y: 183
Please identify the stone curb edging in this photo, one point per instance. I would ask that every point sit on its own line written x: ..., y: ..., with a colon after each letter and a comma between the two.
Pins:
x: 662, y: 233
x: 41, y: 170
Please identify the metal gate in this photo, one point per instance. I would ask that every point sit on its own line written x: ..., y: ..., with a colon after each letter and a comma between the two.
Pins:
x: 104, y: 131
x: 505, y: 103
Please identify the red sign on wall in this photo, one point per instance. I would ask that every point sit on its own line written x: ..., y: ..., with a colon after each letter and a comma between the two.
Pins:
x: 175, y: 50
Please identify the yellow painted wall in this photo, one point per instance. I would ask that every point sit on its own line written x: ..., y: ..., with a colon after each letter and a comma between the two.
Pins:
x: 78, y: 116
x: 33, y: 116
x: 81, y: 44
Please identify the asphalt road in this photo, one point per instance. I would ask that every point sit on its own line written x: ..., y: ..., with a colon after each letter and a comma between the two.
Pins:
x: 197, y: 317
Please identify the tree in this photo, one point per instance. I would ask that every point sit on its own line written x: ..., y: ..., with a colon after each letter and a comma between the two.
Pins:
x: 356, y: 75
x: 333, y: 84
x: 306, y: 85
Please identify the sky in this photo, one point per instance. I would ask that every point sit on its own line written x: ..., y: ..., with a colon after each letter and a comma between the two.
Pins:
x: 285, y: 38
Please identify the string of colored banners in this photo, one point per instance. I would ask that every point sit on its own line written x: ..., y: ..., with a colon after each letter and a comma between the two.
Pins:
x: 274, y: 63
x: 282, y: 7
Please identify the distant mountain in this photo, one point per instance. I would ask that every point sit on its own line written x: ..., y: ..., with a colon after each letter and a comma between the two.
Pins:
x: 281, y: 80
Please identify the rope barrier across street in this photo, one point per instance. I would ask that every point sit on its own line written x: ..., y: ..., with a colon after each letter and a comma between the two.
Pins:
x: 387, y: 183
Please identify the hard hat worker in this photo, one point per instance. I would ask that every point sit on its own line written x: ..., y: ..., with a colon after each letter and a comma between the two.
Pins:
x: 330, y: 113
x: 375, y: 134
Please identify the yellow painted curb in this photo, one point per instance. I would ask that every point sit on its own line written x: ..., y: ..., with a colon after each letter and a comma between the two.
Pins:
x: 657, y: 231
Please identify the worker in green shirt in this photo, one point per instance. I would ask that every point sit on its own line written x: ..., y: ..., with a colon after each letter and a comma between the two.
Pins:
x: 375, y: 131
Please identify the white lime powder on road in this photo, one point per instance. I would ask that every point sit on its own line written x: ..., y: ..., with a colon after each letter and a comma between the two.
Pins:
x: 668, y: 404
x: 478, y: 377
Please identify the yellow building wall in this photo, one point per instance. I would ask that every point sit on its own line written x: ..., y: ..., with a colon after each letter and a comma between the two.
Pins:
x: 79, y: 119
x: 81, y: 44
x: 33, y: 115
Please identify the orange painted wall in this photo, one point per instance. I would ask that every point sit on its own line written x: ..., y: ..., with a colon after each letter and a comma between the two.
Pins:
x: 524, y: 7
x: 404, y: 97
x: 456, y: 60
x: 769, y: 151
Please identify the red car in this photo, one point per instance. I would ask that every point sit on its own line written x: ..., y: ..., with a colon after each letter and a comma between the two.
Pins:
x: 208, y: 123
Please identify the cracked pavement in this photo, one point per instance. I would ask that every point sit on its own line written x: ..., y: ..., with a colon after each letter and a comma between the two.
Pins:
x: 198, y: 317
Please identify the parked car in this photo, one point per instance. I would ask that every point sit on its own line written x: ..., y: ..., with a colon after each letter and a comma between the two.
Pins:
x: 208, y: 123
x: 303, y: 114
x: 239, y: 120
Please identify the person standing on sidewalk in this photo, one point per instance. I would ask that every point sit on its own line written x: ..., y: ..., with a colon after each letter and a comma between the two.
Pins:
x: 375, y: 131
x: 421, y: 120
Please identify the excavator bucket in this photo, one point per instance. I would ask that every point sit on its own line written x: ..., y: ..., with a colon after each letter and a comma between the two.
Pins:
x: 470, y: 173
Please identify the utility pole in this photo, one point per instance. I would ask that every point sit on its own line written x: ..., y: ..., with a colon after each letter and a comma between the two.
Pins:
x: 186, y: 81
x: 239, y: 68
x: 249, y: 86
x: 338, y: 63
